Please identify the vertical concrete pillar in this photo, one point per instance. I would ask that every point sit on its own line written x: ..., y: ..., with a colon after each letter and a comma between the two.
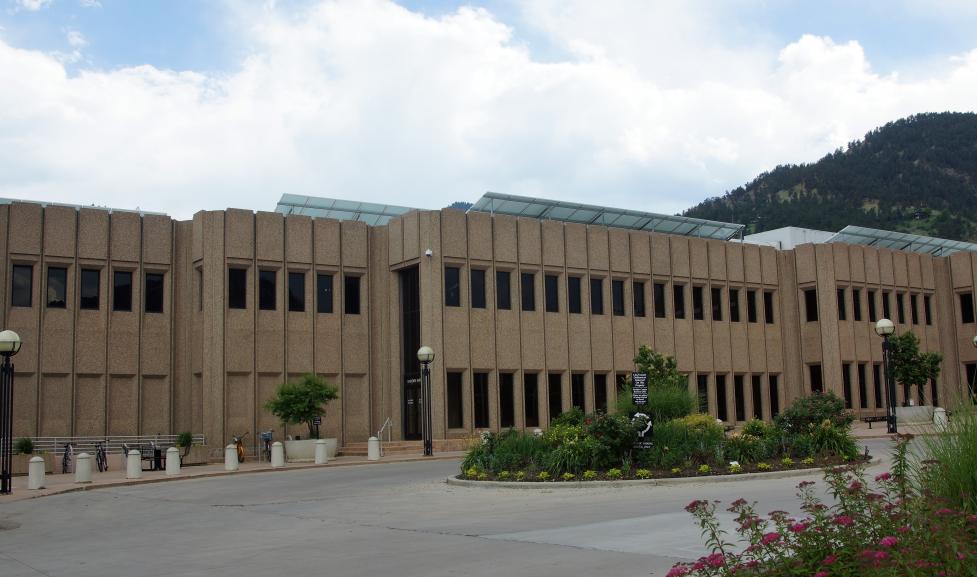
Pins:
x: 83, y: 468
x: 230, y: 458
x: 278, y: 454
x: 373, y: 449
x: 35, y: 473
x: 133, y: 465
x: 172, y: 461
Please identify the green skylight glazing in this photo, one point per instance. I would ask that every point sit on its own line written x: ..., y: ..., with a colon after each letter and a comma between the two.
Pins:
x: 371, y: 213
x: 900, y: 241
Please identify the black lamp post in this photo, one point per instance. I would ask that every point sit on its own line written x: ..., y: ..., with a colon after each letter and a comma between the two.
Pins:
x: 425, y: 354
x: 9, y: 345
x: 884, y: 328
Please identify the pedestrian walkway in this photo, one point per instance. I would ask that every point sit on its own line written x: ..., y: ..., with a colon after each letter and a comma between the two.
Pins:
x: 116, y: 475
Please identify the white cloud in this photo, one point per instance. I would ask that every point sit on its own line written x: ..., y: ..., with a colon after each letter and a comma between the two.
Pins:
x: 33, y: 5
x: 76, y: 39
x: 652, y: 109
x: 89, y: 3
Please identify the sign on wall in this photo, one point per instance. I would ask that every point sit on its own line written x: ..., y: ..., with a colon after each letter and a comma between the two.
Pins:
x: 639, y: 388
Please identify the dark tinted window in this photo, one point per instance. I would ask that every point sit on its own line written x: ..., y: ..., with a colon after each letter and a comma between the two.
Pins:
x: 678, y: 300
x: 697, y: 305
x: 296, y: 292
x: 528, y: 291
x: 507, y: 408
x: 456, y: 411
x: 596, y: 296
x: 774, y: 395
x: 552, y: 293
x: 872, y: 311
x: 768, y: 307
x: 638, y: 289
x: 885, y: 306
x: 351, y: 295
x: 811, y: 304
x: 877, y: 385
x: 659, y: 290
x: 817, y: 386
x: 842, y: 309
x: 23, y: 285
x: 600, y: 392
x: 617, y: 297
x: 531, y: 399
x: 734, y: 305
x: 577, y: 390
x: 721, y: 411
x: 967, y: 308
x: 856, y: 304
x: 478, y: 288
x: 266, y: 289
x: 846, y: 384
x: 862, y: 387
x: 751, y: 312
x: 154, y: 292
x: 480, y: 389
x: 717, y: 303
x: 555, y: 395
x: 739, y: 397
x: 503, y: 290
x: 927, y: 312
x: 57, y: 287
x: 574, y: 303
x: 914, y: 308
x: 90, y: 289
x: 323, y: 290
x: 757, y: 386
x: 452, y: 286
x: 702, y: 391
x: 237, y: 288
x: 122, y: 290
x: 901, y: 308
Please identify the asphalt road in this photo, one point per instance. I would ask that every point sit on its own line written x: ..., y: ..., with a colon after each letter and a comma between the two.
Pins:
x: 398, y: 519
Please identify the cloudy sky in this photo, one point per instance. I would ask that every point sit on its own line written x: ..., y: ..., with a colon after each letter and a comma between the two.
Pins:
x: 181, y: 105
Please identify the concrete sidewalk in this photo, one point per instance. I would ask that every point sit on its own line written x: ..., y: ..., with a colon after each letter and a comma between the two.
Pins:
x: 115, y: 476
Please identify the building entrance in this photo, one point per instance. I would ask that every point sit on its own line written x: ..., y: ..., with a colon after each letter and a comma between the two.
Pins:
x: 410, y: 338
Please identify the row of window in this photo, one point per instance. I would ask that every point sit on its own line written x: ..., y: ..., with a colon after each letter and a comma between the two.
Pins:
x: 89, y: 297
x: 551, y: 282
x: 857, y: 373
x: 720, y: 404
x: 237, y: 291
x: 900, y: 308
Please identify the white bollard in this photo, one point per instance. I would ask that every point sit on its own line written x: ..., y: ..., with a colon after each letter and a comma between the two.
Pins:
x: 373, y: 449
x: 172, y: 461
x: 940, y: 420
x: 35, y: 473
x: 277, y: 455
x: 133, y: 465
x: 83, y: 468
x: 321, y: 452
x: 230, y: 458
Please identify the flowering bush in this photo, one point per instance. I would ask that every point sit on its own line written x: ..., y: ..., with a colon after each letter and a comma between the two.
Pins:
x: 887, y: 529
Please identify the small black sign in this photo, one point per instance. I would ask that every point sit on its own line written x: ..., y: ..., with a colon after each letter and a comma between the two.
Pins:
x: 639, y: 388
x: 316, y: 421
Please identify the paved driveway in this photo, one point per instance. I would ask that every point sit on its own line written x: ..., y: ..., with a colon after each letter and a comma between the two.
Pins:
x: 398, y: 519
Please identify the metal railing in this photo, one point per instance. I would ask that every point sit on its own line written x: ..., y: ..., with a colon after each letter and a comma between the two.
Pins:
x: 113, y: 444
x: 386, y: 426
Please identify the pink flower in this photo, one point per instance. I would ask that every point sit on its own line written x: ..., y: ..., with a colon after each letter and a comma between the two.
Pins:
x: 961, y: 556
x: 855, y: 486
x: 880, y: 555
x: 883, y: 477
x: 944, y: 511
x: 695, y: 505
x: 678, y: 571
x: 844, y: 520
x: 770, y: 538
x: 904, y: 529
x: 716, y: 560
x: 821, y: 574
x: 829, y: 560
x: 798, y: 527
x: 888, y: 541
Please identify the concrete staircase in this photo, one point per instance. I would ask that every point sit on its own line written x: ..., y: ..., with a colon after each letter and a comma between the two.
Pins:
x: 406, y: 447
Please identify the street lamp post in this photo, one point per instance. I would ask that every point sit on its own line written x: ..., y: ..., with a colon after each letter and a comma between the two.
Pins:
x: 425, y: 354
x: 884, y: 328
x: 9, y: 345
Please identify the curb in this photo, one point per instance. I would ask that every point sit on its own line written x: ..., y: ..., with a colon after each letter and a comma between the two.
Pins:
x: 535, y: 485
x: 211, y: 474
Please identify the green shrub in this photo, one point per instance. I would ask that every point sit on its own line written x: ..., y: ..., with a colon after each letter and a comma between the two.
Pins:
x: 543, y: 476
x: 24, y: 446
x: 829, y: 439
x: 508, y: 450
x: 184, y: 439
x: 814, y: 410
x: 746, y: 448
x: 950, y: 461
x: 573, y: 417
x: 668, y: 389
x: 302, y: 401
x: 695, y: 438
x: 615, y: 438
x: 614, y: 474
x: 759, y: 429
x: 589, y: 475
x: 642, y: 474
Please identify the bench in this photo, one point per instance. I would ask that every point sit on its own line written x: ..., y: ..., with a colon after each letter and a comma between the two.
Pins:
x: 876, y: 419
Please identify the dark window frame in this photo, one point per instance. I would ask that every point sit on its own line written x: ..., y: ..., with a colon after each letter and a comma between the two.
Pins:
x: 722, y: 403
x: 842, y: 305
x: 752, y: 315
x: 507, y: 401
x: 325, y: 295
x: 773, y: 384
x: 817, y: 377
x: 927, y: 310
x: 480, y: 400
x: 554, y: 402
x: 811, y: 305
x: 734, y: 305
x: 756, y: 393
x: 574, y: 295
x: 617, y: 298
x: 901, y: 307
x: 454, y: 399
x: 658, y: 290
x: 237, y: 287
x: 596, y: 296
x: 966, y: 308
x: 914, y: 308
x: 551, y: 293
x: 739, y: 397
x: 56, y: 275
x: 503, y: 290
x: 768, y: 314
x: 578, y: 391
x: 530, y: 399
x: 352, y: 299
x: 22, y: 296
x: 527, y: 291
x: 698, y: 303
x: 296, y: 291
x: 716, y: 300
x: 122, y: 301
x: 86, y: 300
x: 452, y: 286
x: 856, y: 304
x: 153, y: 300
x: 267, y: 289
x: 873, y: 309
x: 678, y: 300
x: 476, y: 278
x: 638, y: 296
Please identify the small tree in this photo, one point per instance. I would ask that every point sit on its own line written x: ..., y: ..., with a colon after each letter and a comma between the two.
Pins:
x: 668, y: 390
x: 909, y: 365
x: 302, y: 401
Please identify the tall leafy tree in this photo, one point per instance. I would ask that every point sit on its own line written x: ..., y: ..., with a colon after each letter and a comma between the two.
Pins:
x: 910, y: 366
x: 302, y: 401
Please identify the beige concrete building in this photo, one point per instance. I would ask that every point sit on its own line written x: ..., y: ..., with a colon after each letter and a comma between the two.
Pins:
x: 138, y: 324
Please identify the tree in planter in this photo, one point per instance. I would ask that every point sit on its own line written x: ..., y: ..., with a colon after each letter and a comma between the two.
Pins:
x: 909, y: 365
x: 185, y: 440
x: 302, y: 401
x: 668, y: 389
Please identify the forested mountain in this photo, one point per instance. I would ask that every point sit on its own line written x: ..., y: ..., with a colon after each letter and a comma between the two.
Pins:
x: 918, y: 175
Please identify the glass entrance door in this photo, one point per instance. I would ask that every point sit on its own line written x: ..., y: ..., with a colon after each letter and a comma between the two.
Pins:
x: 410, y: 338
x: 412, y: 409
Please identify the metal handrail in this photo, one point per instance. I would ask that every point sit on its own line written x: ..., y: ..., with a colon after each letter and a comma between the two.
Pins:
x: 385, y: 426
x: 113, y: 443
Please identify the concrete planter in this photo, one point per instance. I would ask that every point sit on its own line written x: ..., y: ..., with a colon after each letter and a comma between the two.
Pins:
x: 304, y: 450
x: 198, y: 455
x: 19, y: 463
x: 917, y: 415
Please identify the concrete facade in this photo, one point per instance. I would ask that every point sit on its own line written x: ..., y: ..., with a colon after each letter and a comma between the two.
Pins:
x: 203, y: 366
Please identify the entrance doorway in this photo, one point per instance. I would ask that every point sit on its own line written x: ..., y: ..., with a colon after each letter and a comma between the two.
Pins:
x: 410, y: 338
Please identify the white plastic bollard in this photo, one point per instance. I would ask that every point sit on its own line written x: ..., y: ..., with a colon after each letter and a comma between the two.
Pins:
x: 940, y: 420
x: 230, y: 458
x: 83, y: 468
x: 277, y: 455
x: 134, y: 465
x: 172, y: 461
x: 35, y: 473
x: 373, y: 449
x: 321, y: 452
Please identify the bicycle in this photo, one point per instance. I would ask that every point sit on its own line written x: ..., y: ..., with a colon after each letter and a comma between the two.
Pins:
x: 238, y: 441
x: 101, y: 460
x: 266, y: 437
x: 69, y: 451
